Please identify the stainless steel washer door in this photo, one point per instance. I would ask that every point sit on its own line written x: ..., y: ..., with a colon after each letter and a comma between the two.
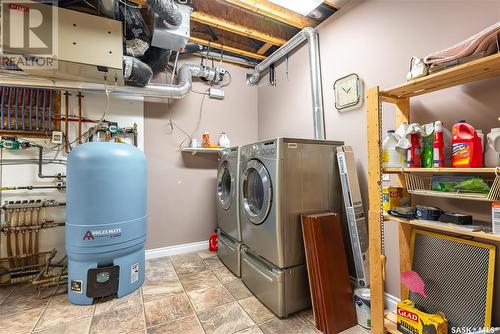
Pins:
x: 256, y: 192
x: 225, y: 186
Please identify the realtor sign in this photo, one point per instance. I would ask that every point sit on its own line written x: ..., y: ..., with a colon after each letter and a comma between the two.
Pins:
x: 29, y: 33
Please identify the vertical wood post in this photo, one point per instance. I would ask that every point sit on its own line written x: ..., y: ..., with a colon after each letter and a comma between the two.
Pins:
x: 404, y: 230
x: 377, y: 260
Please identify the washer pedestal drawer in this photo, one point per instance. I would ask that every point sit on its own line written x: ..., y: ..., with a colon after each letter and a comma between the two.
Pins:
x: 228, y: 251
x: 283, y: 291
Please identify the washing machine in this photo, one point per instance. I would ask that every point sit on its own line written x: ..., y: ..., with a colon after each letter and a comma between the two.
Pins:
x: 280, y: 179
x: 228, y: 213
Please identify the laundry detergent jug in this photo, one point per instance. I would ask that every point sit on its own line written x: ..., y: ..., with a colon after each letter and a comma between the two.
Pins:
x: 392, y: 157
x: 466, y: 148
x: 492, y: 154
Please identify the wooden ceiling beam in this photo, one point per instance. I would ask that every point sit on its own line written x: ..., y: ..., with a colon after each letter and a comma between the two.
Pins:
x: 275, y: 12
x: 227, y: 48
x: 236, y: 28
x: 263, y: 49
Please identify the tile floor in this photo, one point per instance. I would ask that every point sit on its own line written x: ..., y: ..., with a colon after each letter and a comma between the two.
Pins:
x: 183, y: 294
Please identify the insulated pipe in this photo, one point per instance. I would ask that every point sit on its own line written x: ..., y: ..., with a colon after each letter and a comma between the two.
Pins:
x: 185, y: 74
x: 311, y: 35
x: 167, y: 10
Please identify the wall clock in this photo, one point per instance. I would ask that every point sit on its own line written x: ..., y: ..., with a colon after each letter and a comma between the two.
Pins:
x: 348, y: 92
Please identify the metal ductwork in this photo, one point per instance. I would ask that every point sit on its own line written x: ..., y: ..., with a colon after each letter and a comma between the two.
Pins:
x: 167, y: 10
x: 185, y: 74
x: 311, y: 36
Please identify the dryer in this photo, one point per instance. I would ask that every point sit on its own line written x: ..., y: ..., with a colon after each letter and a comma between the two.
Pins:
x: 228, y: 213
x: 281, y: 179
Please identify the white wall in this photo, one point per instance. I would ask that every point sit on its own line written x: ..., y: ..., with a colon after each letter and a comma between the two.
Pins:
x: 376, y: 39
x: 124, y: 111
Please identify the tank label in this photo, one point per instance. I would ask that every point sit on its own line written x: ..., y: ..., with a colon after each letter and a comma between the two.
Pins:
x: 134, y: 273
x: 76, y: 286
x: 105, y: 233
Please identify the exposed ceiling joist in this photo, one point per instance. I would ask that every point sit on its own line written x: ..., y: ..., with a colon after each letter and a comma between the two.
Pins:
x: 275, y: 12
x: 236, y: 28
x: 263, y: 49
x: 227, y: 48
x: 335, y: 3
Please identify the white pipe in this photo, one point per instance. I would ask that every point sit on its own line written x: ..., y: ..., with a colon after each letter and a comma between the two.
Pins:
x: 311, y: 35
x: 185, y: 74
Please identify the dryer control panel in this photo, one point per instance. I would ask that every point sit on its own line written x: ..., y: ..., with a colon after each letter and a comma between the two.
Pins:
x: 230, y: 153
x: 267, y: 149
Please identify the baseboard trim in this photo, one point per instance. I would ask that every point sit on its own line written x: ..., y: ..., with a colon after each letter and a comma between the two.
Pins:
x: 391, y: 302
x: 177, y: 249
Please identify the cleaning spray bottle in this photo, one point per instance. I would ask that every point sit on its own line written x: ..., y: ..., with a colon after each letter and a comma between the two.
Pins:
x: 414, y: 152
x: 427, y: 134
x: 438, y: 145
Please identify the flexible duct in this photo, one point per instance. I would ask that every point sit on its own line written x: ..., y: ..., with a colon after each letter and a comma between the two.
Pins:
x: 311, y: 35
x: 185, y: 74
x: 167, y: 10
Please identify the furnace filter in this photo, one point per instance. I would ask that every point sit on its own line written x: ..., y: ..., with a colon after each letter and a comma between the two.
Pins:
x: 106, y: 220
x: 458, y: 276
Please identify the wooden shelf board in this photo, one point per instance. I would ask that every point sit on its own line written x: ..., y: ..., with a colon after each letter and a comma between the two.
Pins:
x: 390, y: 323
x: 443, y: 227
x: 479, y: 69
x: 194, y: 151
x: 463, y: 196
x: 396, y: 170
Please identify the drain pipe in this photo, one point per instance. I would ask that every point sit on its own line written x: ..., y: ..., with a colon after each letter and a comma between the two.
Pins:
x: 185, y: 74
x: 311, y: 35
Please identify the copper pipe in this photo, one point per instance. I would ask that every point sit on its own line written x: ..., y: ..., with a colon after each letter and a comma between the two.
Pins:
x: 37, y: 221
x: 8, y: 215
x: 24, y: 241
x: 16, y: 237
x: 79, y: 117
x: 30, y: 240
x: 66, y: 124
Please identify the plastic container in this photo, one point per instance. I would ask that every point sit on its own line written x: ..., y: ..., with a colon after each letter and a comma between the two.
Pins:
x: 212, y: 241
x: 224, y: 140
x: 391, y: 156
x: 106, y: 216
x: 466, y: 146
x: 362, y: 304
x: 438, y: 145
x: 414, y: 152
x: 492, y: 154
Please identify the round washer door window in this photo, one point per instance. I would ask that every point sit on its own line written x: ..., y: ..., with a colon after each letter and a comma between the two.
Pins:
x: 256, y: 192
x: 225, y: 187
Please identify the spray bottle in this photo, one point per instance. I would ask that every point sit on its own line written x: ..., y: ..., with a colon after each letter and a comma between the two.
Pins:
x: 427, y: 134
x: 438, y: 154
x: 414, y: 152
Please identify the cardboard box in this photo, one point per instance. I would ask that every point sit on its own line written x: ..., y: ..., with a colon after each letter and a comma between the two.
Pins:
x: 412, y: 321
x: 495, y: 217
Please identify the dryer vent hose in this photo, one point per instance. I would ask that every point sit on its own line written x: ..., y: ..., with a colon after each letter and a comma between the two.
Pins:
x: 167, y: 10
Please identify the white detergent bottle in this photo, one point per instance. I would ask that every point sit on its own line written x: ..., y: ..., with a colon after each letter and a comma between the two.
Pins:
x: 391, y: 156
x: 224, y: 140
x: 492, y: 153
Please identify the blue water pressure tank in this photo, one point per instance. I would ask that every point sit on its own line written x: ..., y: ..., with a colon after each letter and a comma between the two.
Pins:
x: 105, y: 220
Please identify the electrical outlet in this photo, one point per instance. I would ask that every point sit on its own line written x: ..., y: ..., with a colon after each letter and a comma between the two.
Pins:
x: 216, y: 93
x: 57, y: 137
x: 386, y: 177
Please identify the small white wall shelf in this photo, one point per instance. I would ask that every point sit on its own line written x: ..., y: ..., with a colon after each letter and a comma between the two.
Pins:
x: 195, y: 151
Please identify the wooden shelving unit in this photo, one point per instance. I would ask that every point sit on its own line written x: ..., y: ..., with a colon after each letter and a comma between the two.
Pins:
x: 400, y: 96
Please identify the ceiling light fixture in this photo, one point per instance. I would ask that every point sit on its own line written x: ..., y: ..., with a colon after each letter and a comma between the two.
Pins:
x: 303, y: 7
